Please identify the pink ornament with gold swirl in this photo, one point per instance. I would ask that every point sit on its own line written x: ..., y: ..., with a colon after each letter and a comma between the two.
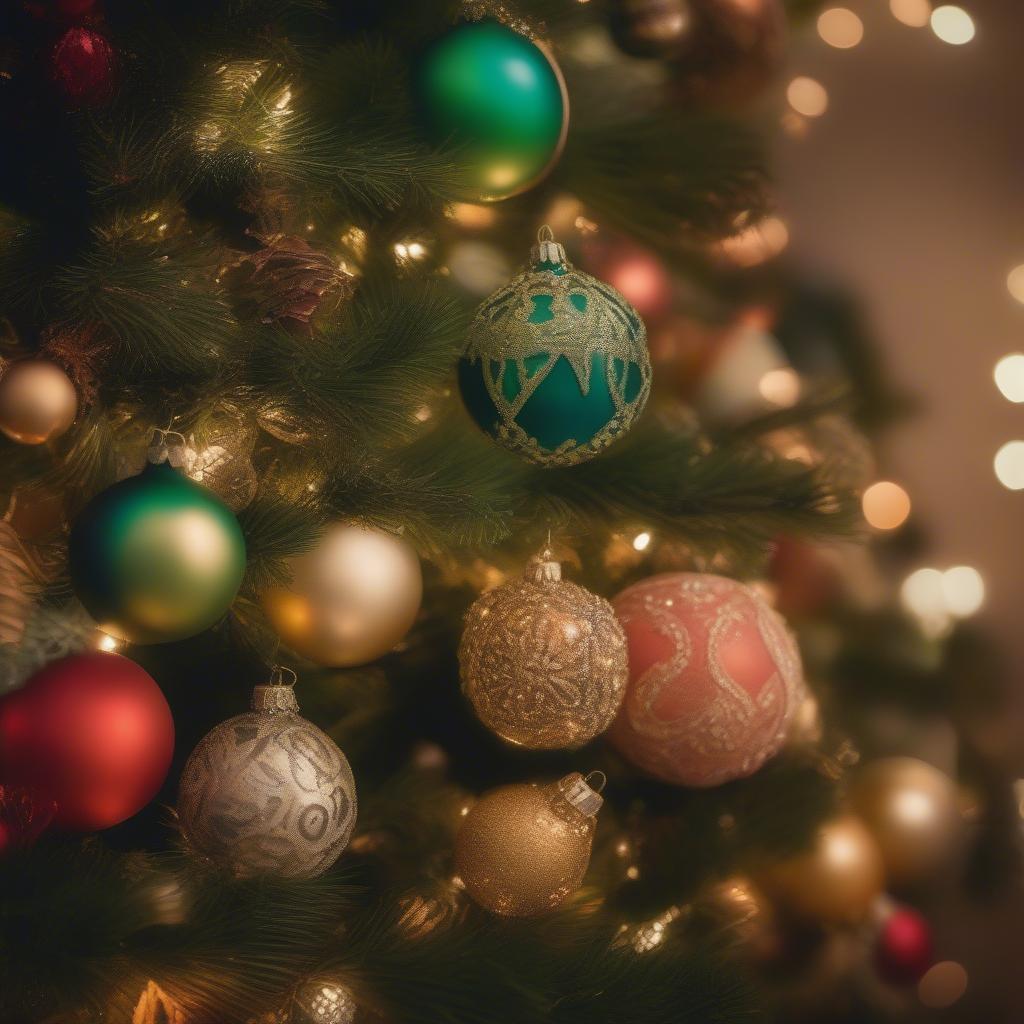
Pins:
x: 715, y: 678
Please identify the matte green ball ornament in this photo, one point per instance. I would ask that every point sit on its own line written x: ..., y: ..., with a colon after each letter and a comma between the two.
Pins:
x: 556, y: 366
x: 156, y: 557
x: 500, y: 100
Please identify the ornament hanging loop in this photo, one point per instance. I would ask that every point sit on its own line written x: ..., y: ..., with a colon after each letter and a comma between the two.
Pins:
x: 547, y: 250
x: 282, y: 675
x: 167, y: 446
x: 596, y: 780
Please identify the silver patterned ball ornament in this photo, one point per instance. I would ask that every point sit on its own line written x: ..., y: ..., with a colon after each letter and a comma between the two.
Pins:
x: 543, y: 660
x: 268, y: 792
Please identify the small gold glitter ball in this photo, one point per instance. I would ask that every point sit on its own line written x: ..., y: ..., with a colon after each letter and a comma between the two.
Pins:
x: 543, y: 661
x: 523, y: 849
x: 38, y: 402
x: 321, y: 1001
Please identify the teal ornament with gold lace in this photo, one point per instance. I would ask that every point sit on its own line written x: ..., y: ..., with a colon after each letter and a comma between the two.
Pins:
x: 556, y: 365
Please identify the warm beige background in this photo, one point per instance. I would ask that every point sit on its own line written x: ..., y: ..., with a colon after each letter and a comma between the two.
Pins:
x: 910, y: 190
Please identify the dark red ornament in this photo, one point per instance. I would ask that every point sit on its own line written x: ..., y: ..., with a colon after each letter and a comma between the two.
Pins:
x: 84, y: 66
x: 24, y: 816
x: 63, y: 11
x: 904, y: 950
x: 632, y: 270
x: 91, y: 732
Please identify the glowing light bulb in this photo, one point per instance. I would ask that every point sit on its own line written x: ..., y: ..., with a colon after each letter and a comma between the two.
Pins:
x: 1009, y: 376
x: 886, y: 505
x: 840, y: 27
x: 922, y: 595
x: 807, y: 96
x: 106, y: 642
x: 642, y: 541
x: 1009, y: 465
x: 952, y: 25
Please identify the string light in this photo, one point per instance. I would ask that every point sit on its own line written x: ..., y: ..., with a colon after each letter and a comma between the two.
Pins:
x: 807, y: 96
x: 106, y: 642
x: 1009, y: 465
x: 886, y: 505
x: 937, y: 598
x: 840, y: 27
x: 1009, y: 376
x: 642, y: 541
x: 952, y: 25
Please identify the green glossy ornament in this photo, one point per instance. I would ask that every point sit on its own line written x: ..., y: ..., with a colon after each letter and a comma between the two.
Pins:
x: 556, y: 366
x: 156, y: 557
x: 501, y: 100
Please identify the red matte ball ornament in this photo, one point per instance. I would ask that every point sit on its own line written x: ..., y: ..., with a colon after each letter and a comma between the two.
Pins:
x: 91, y: 732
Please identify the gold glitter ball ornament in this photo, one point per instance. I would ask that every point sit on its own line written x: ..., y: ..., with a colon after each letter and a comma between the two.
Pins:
x: 523, y: 849
x: 352, y: 596
x: 320, y: 1001
x: 268, y: 792
x: 543, y: 661
x: 38, y: 402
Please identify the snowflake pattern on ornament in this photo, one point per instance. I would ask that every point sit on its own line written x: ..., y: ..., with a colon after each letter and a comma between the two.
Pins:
x: 715, y: 678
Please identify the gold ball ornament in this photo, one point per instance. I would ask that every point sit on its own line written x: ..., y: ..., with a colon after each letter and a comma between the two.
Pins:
x: 268, y: 792
x: 352, y: 597
x: 543, y: 661
x: 523, y: 849
x: 835, y: 881
x: 911, y: 809
x: 38, y: 402
x: 320, y: 1001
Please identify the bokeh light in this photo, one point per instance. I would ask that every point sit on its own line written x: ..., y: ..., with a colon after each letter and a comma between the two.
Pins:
x: 886, y: 505
x: 642, y: 541
x: 757, y: 243
x: 807, y: 96
x: 840, y: 27
x: 781, y: 387
x: 942, y: 985
x: 1015, y: 282
x: 915, y: 13
x: 1009, y: 465
x: 963, y: 590
x: 952, y: 25
x: 1009, y: 376
x: 922, y: 595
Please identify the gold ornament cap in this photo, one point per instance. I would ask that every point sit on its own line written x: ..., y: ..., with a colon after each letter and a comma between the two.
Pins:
x: 543, y: 568
x: 278, y: 696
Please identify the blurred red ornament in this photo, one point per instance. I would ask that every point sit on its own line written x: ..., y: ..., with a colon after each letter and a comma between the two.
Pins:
x: 65, y: 11
x: 806, y: 578
x: 728, y: 50
x: 715, y: 678
x: 24, y: 816
x: 84, y: 66
x: 91, y: 732
x: 904, y: 951
x: 632, y: 270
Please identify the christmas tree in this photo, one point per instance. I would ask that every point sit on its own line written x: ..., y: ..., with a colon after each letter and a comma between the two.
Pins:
x: 415, y: 603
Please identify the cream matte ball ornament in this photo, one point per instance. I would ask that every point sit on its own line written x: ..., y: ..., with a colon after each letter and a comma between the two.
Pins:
x: 268, y: 792
x: 911, y: 809
x: 543, y: 661
x: 523, y: 849
x: 38, y: 402
x: 352, y: 597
